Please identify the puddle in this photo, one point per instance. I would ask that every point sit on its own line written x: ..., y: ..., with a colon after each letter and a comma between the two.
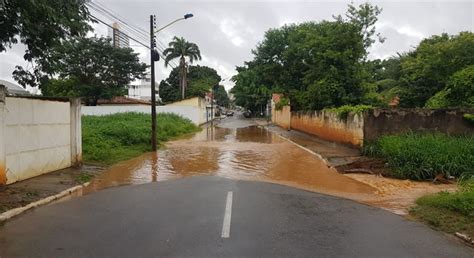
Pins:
x: 249, y: 153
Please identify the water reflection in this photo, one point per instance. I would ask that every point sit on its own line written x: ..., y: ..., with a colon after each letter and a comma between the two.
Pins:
x: 249, y: 153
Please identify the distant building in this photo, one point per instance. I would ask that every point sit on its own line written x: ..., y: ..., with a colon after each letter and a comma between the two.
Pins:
x: 119, y: 38
x: 141, y: 89
x: 14, y: 89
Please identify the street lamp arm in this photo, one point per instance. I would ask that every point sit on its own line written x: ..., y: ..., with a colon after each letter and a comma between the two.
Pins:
x: 186, y: 16
x: 169, y: 24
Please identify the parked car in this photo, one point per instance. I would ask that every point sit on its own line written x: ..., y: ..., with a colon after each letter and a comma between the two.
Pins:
x: 230, y: 113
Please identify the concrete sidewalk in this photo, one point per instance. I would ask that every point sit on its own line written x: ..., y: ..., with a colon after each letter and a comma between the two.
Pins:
x: 37, y: 188
x: 335, y: 154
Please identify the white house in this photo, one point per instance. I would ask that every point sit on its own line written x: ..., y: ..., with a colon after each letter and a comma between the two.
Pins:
x: 141, y: 89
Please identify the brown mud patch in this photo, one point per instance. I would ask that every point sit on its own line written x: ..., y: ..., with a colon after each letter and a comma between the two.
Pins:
x: 398, y: 195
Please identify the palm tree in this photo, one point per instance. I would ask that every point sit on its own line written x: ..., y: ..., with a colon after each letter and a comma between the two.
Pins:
x: 180, y: 48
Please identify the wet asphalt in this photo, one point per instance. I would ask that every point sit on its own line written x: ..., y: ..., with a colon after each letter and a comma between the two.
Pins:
x: 185, y: 217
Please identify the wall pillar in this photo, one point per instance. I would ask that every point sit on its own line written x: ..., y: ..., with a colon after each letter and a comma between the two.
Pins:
x: 3, y: 159
x: 76, y: 133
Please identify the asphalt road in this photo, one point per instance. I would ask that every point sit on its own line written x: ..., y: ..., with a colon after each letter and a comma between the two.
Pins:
x: 189, y: 217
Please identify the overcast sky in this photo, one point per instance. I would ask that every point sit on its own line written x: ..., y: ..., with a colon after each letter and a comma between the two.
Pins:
x: 226, y: 31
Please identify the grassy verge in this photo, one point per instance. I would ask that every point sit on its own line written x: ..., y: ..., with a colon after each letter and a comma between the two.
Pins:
x: 112, y: 138
x: 423, y: 156
x: 450, y: 212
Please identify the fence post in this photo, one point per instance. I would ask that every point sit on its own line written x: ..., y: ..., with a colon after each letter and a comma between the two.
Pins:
x: 76, y: 133
x: 3, y: 160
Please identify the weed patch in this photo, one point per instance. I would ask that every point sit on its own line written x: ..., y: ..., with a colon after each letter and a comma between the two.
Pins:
x: 84, y: 178
x: 112, y: 138
x: 343, y: 112
x: 423, y: 156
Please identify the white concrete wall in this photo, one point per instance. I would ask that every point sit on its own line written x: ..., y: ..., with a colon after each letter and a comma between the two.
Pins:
x: 38, y: 137
x: 195, y: 114
x: 113, y: 109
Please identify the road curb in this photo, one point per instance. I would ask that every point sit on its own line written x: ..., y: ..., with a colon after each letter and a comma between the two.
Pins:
x: 17, y: 211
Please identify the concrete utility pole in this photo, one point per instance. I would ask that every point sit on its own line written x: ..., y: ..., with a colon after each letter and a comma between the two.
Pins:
x: 154, y: 56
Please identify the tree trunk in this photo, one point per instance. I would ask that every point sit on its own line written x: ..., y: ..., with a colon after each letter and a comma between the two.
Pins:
x: 182, y: 63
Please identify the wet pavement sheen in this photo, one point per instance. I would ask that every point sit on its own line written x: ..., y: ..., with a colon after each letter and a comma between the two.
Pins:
x: 237, y: 149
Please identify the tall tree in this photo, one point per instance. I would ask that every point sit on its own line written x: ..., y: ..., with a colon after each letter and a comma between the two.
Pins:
x: 180, y: 48
x: 364, y: 17
x: 41, y: 24
x: 87, y: 67
x: 427, y: 69
x: 220, y: 94
x: 315, y: 64
x: 200, y: 80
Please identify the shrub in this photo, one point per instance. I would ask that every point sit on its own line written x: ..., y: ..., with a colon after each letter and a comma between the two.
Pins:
x: 469, y: 118
x: 343, y: 112
x: 438, y: 100
x: 283, y: 102
x: 423, y: 156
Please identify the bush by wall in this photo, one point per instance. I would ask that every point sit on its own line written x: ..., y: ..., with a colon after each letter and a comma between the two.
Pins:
x: 423, y: 156
x: 343, y: 111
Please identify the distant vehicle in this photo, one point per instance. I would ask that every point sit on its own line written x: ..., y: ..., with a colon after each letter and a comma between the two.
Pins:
x: 230, y: 113
x: 247, y: 114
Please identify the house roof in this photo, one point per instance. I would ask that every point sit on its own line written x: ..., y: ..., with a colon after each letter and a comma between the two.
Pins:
x: 121, y: 100
x: 14, y: 89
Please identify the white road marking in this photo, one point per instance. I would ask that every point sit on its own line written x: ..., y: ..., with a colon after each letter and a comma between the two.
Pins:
x: 227, y: 216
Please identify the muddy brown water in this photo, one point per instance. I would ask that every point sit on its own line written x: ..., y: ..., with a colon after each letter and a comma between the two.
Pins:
x: 248, y: 153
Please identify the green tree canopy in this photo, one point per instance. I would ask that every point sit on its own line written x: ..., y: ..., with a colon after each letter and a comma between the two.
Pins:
x: 221, y: 97
x: 315, y: 64
x: 88, y: 67
x: 200, y: 80
x: 427, y: 69
x: 41, y: 24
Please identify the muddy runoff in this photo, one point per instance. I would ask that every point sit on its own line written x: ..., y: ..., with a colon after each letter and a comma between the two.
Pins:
x: 246, y: 153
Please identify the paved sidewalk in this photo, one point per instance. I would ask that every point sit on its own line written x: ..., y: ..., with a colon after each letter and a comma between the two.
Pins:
x: 31, y: 190
x: 336, y: 154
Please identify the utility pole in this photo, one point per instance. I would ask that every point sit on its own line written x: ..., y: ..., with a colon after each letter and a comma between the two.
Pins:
x: 153, y: 57
x: 212, y: 105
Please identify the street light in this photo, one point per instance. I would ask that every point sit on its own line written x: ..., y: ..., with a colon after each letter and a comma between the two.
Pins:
x: 154, y: 56
x: 186, y: 16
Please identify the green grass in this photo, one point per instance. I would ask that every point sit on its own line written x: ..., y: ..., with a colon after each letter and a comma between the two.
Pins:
x: 423, y: 156
x: 112, y: 138
x: 84, y: 178
x: 450, y: 212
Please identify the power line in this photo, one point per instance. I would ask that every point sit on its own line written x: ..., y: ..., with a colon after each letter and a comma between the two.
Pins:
x: 129, y: 37
x: 131, y: 29
x: 119, y: 34
x: 125, y: 21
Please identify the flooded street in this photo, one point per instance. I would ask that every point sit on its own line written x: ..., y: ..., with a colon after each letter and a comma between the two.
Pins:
x: 239, y: 149
x: 212, y: 201
x: 234, y: 149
